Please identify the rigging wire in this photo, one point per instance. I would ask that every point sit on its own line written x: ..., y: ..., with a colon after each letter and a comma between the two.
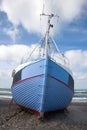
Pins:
x: 37, y: 46
x: 53, y: 41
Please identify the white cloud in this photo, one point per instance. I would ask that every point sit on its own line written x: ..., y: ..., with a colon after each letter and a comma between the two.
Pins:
x: 77, y: 58
x: 28, y: 12
x: 25, y: 12
x: 78, y: 64
x: 14, y: 53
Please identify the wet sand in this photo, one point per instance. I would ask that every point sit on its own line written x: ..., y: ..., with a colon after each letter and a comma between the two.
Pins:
x: 14, y: 118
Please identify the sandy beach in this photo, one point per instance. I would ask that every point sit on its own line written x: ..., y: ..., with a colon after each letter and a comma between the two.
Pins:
x: 14, y: 118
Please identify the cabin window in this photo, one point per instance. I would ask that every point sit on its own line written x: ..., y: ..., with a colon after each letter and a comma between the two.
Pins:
x: 17, y: 77
x: 71, y: 82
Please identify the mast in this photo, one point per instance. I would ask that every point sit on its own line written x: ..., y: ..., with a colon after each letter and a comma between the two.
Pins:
x: 49, y: 25
x: 47, y: 45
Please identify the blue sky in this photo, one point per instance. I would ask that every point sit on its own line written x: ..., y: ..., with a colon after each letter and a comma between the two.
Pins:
x: 24, y: 37
x: 20, y: 27
x: 72, y: 36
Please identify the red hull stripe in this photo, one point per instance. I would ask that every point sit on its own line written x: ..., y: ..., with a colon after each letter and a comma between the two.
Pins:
x: 42, y: 75
x: 37, y: 113
x: 61, y: 82
x: 26, y: 79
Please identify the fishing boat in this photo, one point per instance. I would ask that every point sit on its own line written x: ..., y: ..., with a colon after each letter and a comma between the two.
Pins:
x: 44, y: 84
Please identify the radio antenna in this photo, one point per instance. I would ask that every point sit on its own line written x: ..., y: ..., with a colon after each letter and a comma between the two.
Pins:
x: 43, y: 6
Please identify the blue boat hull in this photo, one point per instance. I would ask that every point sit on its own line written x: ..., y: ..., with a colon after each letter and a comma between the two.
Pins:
x: 43, y: 86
